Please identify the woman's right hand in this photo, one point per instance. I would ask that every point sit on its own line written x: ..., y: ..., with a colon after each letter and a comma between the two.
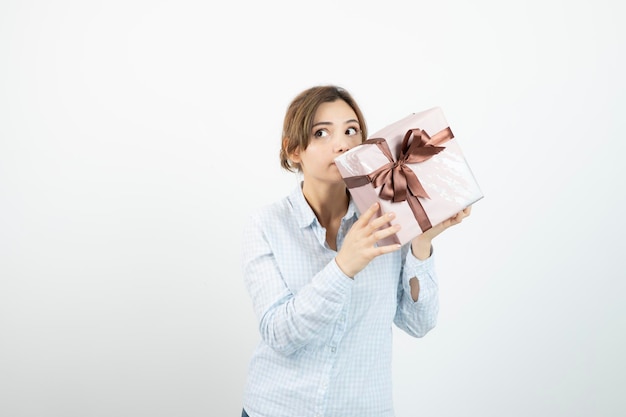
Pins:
x: 359, y: 246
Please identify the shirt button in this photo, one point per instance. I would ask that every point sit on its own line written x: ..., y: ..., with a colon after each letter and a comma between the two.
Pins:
x: 333, y: 349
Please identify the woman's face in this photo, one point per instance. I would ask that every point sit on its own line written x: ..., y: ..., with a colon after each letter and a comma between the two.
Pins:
x: 335, y: 130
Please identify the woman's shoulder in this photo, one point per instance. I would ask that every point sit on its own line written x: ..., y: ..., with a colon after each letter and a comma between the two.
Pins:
x: 278, y: 209
x: 271, y: 209
x: 291, y: 209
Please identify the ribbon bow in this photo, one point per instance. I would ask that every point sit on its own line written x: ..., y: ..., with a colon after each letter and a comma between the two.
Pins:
x: 398, y: 181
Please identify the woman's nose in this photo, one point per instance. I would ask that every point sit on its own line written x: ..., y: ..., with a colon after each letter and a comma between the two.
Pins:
x: 343, y: 147
x: 343, y: 144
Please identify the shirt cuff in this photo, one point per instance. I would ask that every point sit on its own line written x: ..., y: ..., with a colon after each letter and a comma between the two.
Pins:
x: 424, y: 271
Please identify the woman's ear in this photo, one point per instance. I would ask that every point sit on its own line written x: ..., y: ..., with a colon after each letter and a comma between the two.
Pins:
x: 293, y: 156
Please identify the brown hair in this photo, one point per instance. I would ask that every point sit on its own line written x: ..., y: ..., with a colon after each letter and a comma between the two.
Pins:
x: 300, y: 117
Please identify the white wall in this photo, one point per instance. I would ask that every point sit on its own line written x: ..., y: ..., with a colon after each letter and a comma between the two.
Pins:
x: 134, y: 135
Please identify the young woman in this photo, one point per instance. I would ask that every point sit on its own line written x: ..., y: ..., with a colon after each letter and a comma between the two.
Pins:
x: 325, y: 294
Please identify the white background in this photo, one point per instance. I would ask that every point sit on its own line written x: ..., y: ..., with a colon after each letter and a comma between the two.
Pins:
x: 134, y: 135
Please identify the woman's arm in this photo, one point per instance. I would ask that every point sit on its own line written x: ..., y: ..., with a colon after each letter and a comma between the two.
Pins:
x: 421, y: 246
x: 289, y: 321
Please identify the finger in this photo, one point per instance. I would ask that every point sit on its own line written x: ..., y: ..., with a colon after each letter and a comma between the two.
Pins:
x: 385, y: 232
x: 382, y: 220
x: 458, y: 217
x: 463, y: 213
x: 368, y: 214
x: 381, y: 250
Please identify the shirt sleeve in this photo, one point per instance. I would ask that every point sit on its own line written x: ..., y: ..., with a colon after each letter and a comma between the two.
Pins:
x: 288, y: 321
x: 417, y: 317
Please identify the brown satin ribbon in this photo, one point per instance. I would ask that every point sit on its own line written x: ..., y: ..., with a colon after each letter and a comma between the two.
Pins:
x: 399, y: 182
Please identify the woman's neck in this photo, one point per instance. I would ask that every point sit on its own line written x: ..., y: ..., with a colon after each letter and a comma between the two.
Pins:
x: 329, y: 203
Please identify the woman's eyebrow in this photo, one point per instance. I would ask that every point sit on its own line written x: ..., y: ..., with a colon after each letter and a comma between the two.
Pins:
x: 329, y: 123
x: 322, y: 124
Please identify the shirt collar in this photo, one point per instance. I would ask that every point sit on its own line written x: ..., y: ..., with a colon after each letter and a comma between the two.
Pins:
x: 304, y: 213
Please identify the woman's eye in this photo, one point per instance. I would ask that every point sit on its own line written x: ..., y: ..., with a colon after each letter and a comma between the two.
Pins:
x: 320, y: 133
x: 352, y: 131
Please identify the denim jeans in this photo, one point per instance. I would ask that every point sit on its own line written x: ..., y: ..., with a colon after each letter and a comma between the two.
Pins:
x: 244, y: 414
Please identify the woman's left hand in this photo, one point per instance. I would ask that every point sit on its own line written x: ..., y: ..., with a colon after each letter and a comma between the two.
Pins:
x: 422, y: 243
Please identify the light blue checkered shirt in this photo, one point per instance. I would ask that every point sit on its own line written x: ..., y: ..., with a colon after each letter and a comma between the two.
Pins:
x: 326, y: 340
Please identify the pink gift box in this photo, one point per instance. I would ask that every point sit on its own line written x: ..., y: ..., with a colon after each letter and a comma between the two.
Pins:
x: 417, y: 162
